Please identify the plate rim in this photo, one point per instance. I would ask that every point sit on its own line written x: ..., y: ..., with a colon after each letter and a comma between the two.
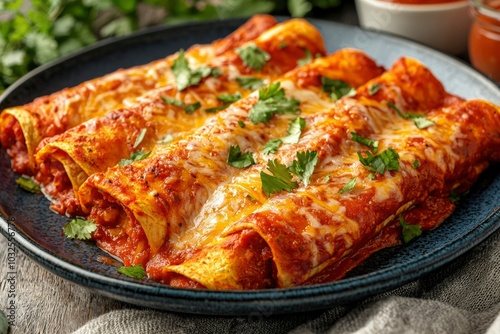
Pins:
x: 315, y: 296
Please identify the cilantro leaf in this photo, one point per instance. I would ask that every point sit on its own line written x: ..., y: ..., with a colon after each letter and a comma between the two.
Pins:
x: 304, y: 166
x: 229, y: 98
x: 410, y: 232
x: 373, y: 89
x: 140, y: 137
x: 165, y: 140
x: 372, y: 144
x: 271, y: 146
x: 188, y: 108
x: 294, y: 131
x: 28, y: 184
x: 241, y: 124
x: 250, y: 83
x: 279, y: 181
x: 307, y: 58
x: 215, y: 109
x: 253, y: 56
x: 134, y: 156
x: 133, y: 271
x: 185, y: 76
x: 238, y: 159
x: 349, y: 186
x: 272, y: 100
x: 79, y: 229
x: 420, y: 121
x: 387, y: 160
x: 415, y: 164
x: 337, y: 88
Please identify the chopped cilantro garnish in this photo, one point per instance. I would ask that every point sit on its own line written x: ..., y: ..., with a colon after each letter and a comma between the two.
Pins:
x: 337, y: 88
x: 303, y: 167
x: 271, y: 146
x: 279, y: 181
x: 410, y: 232
x: 133, y: 271
x: 415, y: 164
x: 294, y: 131
x: 140, y: 137
x: 373, y: 89
x: 185, y: 76
x: 79, y: 229
x: 308, y: 57
x: 241, y: 124
x: 165, y: 140
x: 420, y: 121
x: 349, y: 186
x: 371, y: 176
x: 238, y: 159
x: 387, y: 160
x: 188, y: 108
x: 229, y: 98
x: 455, y: 197
x: 215, y: 109
x: 253, y: 56
x: 134, y: 156
x: 250, y: 83
x: 28, y: 184
x: 372, y: 144
x: 272, y: 100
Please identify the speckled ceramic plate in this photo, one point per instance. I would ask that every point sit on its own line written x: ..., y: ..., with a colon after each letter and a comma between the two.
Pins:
x: 37, y: 231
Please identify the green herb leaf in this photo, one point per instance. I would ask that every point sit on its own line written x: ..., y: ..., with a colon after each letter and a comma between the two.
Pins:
x: 215, y: 109
x: 387, y: 160
x: 272, y: 100
x: 416, y: 164
x: 271, y: 146
x: 420, y: 121
x: 307, y: 58
x: 188, y: 108
x: 238, y: 159
x: 410, y: 232
x: 134, y: 156
x: 373, y: 89
x: 279, y: 181
x: 250, y: 83
x: 304, y: 166
x: 133, y: 271
x: 371, y: 176
x: 294, y: 131
x: 140, y: 137
x: 253, y: 56
x: 372, y: 144
x: 337, y: 88
x: 455, y: 197
x: 229, y: 98
x: 28, y: 184
x: 79, y: 229
x: 165, y: 140
x: 349, y: 186
x: 185, y: 76
x: 241, y: 124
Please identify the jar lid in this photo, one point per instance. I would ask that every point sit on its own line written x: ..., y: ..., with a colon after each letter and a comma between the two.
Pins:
x: 489, y: 8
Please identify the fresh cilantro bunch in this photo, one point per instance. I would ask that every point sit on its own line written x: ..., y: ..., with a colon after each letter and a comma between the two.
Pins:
x: 34, y: 32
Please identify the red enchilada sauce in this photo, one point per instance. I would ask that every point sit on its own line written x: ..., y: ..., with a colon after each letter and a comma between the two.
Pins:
x: 484, y: 38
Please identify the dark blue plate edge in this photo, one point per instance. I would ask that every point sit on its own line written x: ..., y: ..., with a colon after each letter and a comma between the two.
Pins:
x: 276, y: 301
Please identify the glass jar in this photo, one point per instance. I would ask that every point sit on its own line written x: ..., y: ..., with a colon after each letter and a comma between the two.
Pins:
x: 484, y: 37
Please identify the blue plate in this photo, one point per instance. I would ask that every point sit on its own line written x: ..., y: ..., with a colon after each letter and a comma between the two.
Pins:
x: 26, y: 219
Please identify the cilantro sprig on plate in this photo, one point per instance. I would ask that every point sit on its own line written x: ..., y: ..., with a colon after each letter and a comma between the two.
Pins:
x: 337, y: 88
x: 185, y: 76
x: 253, y: 56
x: 79, y: 228
x: 420, y: 121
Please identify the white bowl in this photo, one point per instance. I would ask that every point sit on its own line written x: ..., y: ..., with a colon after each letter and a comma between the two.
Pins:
x: 444, y: 27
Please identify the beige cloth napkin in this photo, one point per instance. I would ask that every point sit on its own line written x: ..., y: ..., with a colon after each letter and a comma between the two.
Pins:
x: 462, y: 297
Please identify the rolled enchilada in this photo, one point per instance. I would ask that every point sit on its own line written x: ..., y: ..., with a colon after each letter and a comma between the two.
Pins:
x: 66, y: 160
x: 140, y: 206
x: 23, y: 127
